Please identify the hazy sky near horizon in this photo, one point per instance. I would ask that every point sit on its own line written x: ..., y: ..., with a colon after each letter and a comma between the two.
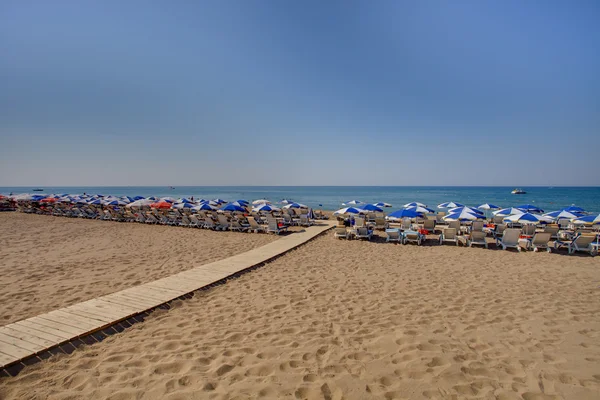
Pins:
x: 299, y: 93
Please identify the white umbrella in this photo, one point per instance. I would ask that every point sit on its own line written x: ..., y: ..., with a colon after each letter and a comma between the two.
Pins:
x: 261, y: 201
x: 140, y: 203
x: 352, y: 203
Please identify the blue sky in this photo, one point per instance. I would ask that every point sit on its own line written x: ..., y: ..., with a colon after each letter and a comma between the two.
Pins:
x: 299, y: 93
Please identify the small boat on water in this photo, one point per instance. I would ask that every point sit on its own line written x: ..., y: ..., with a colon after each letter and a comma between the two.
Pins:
x: 38, y: 190
x: 518, y: 191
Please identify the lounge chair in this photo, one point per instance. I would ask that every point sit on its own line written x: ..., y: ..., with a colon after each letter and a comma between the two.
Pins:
x: 208, y: 223
x: 479, y: 238
x: 413, y: 237
x: 364, y: 233
x: 393, y: 235
x: 552, y: 230
x: 498, y: 219
x: 185, y: 221
x: 273, y: 227
x: 540, y: 241
x: 222, y: 222
x: 381, y: 223
x: 439, y: 217
x: 340, y: 232
x: 429, y: 225
x: 510, y: 239
x: 499, y: 231
x: 406, y: 224
x: 528, y: 229
x: 359, y: 222
x: 477, y: 226
x: 254, y: 226
x: 449, y: 235
x: 194, y: 221
x: 584, y: 243
x: 236, y: 226
x: 564, y: 224
x: 455, y: 225
x: 305, y: 221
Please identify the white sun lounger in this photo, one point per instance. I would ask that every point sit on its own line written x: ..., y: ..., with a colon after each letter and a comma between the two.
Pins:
x: 540, y: 241
x: 479, y: 238
x: 364, y: 233
x: 340, y: 233
x: 393, y: 235
x: 413, y: 237
x: 254, y: 226
x: 510, y: 239
x: 449, y: 235
x: 584, y: 243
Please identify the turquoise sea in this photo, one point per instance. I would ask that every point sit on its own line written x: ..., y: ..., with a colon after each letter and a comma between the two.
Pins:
x: 332, y: 197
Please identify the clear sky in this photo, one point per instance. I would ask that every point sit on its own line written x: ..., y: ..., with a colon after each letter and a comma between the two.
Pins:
x: 300, y: 92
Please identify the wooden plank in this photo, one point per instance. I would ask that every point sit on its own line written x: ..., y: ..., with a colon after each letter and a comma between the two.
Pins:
x: 44, y: 337
x: 145, y: 293
x: 121, y: 299
x: 112, y: 309
x: 76, y: 319
x: 18, y: 342
x: 174, y: 286
x: 42, y: 328
x: 157, y: 293
x: 89, y: 312
x: 14, y: 351
x: 5, y: 359
x: 35, y: 339
x: 69, y: 330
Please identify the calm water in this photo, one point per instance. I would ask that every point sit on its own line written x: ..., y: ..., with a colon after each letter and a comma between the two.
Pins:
x: 331, y: 197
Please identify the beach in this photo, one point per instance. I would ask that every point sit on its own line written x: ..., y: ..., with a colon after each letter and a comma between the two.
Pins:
x: 332, y: 319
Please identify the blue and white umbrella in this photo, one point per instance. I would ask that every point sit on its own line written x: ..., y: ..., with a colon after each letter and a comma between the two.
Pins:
x: 382, y: 204
x: 420, y: 209
x: 371, y: 207
x: 232, y: 207
x: 464, y: 215
x: 587, y: 220
x: 183, y: 205
x: 286, y: 201
x: 204, y: 207
x: 237, y: 203
x: 472, y: 210
x: 244, y: 202
x: 488, y: 206
x: 220, y: 201
x: 127, y: 199
x: 261, y: 201
x: 508, y: 211
x: 528, y: 218
x: 574, y: 209
x: 265, y: 208
x: 404, y: 213
x: 138, y: 198
x: 115, y: 203
x: 414, y: 204
x: 450, y: 204
x: 352, y: 203
x: 561, y: 214
x: 140, y: 203
x: 210, y: 202
x: 183, y: 200
x: 95, y: 202
x: 349, y: 210
x: 530, y: 208
x: 168, y: 199
x: 296, y: 205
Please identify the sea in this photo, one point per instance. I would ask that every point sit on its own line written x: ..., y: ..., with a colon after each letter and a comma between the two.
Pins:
x: 332, y: 197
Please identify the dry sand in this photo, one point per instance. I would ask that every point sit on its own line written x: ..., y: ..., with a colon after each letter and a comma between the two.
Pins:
x: 356, y: 320
x: 52, y: 262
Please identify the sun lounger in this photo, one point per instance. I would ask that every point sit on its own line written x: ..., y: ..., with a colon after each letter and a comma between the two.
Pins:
x: 208, y: 223
x: 540, y: 241
x: 552, y: 230
x: 429, y: 225
x: 393, y: 235
x: 449, y: 235
x: 479, y: 238
x: 455, y: 225
x: 254, y: 226
x: 510, y: 239
x: 340, y: 233
x: 236, y: 226
x: 500, y: 228
x: 528, y: 229
x: 273, y: 227
x: 381, y: 223
x: 584, y: 243
x: 222, y: 222
x: 477, y: 226
x: 412, y: 237
x: 406, y: 224
x: 305, y: 221
x: 364, y: 233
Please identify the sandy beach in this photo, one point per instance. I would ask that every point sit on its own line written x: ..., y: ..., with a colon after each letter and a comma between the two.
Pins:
x: 333, y: 319
x: 49, y: 262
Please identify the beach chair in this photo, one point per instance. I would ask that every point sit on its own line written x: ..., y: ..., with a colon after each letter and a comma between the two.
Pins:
x: 413, y: 237
x: 479, y: 238
x: 381, y: 223
x: 498, y: 219
x: 564, y: 224
x: 499, y: 231
x: 364, y: 233
x: 194, y: 221
x: 449, y: 235
x: 406, y: 224
x: 305, y: 221
x: 273, y: 227
x: 287, y: 219
x: 552, y: 230
x: 540, y: 241
x: 340, y: 233
x: 209, y: 223
x: 393, y: 235
x: 510, y: 239
x: 222, y: 222
x: 439, y: 217
x: 429, y: 225
x: 584, y: 242
x: 454, y: 225
x: 150, y: 218
x: 477, y: 226
x: 237, y: 226
x: 185, y: 221
x: 255, y: 226
x: 359, y: 222
x: 528, y: 230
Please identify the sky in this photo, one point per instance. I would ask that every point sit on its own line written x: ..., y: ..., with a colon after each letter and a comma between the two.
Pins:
x: 257, y: 92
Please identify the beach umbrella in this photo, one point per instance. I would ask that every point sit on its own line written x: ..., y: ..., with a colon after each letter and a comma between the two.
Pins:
x: 168, y: 199
x: 152, y: 198
x: 161, y: 205
x: 508, y: 211
x: 587, y: 220
x: 528, y: 218
x: 311, y: 214
x: 371, y: 207
x: 204, y: 207
x: 37, y: 197
x: 420, y: 209
x: 140, y: 203
x: 450, y: 204
x: 382, y: 204
x: 403, y: 213
x: 117, y: 202
x: 232, y: 207
x: 261, y: 201
x: 561, y: 214
x: 488, y: 206
x: 210, y: 202
x: 530, y: 208
x: 414, y: 204
x: 472, y: 210
x: 463, y: 215
x: 286, y: 201
x: 95, y: 202
x: 244, y: 202
x: 295, y: 205
x: 349, y: 210
x: 574, y: 209
x: 220, y: 201
x: 179, y: 206
x: 237, y: 203
x: 352, y: 203
x: 265, y: 208
x: 182, y: 200
x: 138, y: 198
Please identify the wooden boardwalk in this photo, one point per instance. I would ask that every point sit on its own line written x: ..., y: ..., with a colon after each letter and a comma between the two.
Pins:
x: 61, y: 331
